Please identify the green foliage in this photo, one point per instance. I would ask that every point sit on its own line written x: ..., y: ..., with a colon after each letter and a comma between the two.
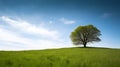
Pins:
x: 85, y: 34
x: 67, y: 57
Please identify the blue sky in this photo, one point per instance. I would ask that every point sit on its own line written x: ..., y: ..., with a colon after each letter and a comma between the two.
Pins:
x: 46, y: 24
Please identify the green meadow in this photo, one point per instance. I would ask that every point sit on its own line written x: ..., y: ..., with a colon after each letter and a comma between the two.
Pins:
x: 65, y: 57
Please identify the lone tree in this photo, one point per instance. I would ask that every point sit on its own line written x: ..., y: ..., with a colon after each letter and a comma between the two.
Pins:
x: 85, y: 34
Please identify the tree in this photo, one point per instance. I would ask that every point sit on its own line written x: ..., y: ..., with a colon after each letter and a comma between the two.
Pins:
x: 85, y: 34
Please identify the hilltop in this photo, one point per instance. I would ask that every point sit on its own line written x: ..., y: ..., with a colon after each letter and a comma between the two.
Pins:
x: 65, y: 57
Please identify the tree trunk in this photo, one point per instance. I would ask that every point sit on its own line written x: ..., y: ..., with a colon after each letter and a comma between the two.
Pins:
x: 85, y: 44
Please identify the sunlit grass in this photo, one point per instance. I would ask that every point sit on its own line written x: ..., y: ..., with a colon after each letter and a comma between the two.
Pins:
x: 67, y: 57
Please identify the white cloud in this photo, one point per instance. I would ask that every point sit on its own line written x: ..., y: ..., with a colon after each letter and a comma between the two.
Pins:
x: 30, y: 28
x: 106, y: 15
x: 50, y: 22
x: 66, y: 21
x: 8, y: 37
x: 10, y: 40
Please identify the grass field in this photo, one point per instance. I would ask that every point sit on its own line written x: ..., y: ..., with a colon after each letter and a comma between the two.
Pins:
x: 66, y: 57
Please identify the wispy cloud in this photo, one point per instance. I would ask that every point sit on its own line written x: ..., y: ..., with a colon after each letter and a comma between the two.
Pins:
x: 50, y: 22
x: 11, y: 38
x: 106, y: 15
x: 66, y: 21
x: 18, y: 41
x: 30, y: 28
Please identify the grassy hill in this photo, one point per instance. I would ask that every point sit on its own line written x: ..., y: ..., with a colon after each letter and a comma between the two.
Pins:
x: 66, y: 57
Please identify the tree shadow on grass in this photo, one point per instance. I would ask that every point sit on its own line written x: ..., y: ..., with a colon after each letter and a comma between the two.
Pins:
x: 94, y: 47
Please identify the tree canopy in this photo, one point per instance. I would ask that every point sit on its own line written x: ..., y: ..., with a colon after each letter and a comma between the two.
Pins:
x: 85, y: 34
